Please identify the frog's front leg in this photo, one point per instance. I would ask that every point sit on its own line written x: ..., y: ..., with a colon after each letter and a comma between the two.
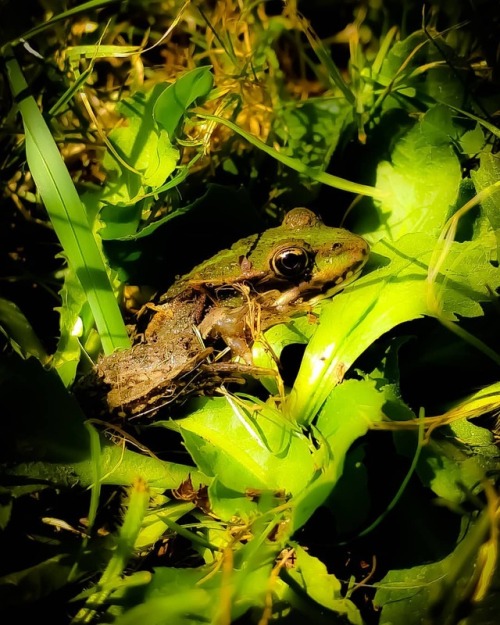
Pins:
x: 231, y: 325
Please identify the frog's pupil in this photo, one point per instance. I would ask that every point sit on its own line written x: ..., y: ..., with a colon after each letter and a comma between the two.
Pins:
x: 291, y: 263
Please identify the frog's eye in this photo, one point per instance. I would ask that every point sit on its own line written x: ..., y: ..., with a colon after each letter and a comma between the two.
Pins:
x: 291, y: 262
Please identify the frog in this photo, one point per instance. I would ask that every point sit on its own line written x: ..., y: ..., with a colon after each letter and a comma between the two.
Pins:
x: 272, y: 276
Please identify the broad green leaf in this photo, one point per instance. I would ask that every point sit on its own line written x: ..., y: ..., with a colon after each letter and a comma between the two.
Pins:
x: 451, y: 464
x: 473, y: 142
x: 418, y: 68
x: 345, y: 417
x: 45, y: 440
x: 20, y: 332
x: 486, y: 176
x: 31, y: 584
x: 439, y: 590
x: 68, y: 216
x: 147, y: 150
x: 204, y: 594
x: 247, y: 447
x: 118, y: 466
x: 154, y: 225
x: 312, y: 577
x: 174, y: 102
x: 144, y: 157
x: 46, y: 422
x: 348, y: 413
x: 422, y: 179
x: 382, y: 300
x: 140, y: 162
x: 457, y: 458
x: 179, y: 607
x: 310, y: 130
x: 158, y: 521
x: 6, y: 505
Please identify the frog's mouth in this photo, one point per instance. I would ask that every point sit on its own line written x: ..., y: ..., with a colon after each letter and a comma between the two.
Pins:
x: 313, y: 293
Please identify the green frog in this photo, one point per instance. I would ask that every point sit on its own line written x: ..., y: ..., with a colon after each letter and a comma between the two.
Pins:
x: 266, y: 277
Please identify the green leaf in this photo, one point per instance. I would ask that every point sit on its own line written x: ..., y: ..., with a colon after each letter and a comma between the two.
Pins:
x: 142, y: 159
x: 310, y: 130
x: 147, y: 150
x: 422, y: 68
x: 390, y: 295
x: 173, y: 104
x: 486, y: 176
x: 117, y: 466
x: 28, y: 585
x: 136, y: 506
x: 270, y: 453
x: 348, y: 413
x: 45, y: 441
x: 67, y: 355
x: 458, y: 458
x: 44, y: 423
x: 183, y: 596
x: 422, y: 179
x: 452, y: 465
x: 439, y: 591
x: 312, y: 577
x: 20, y: 332
x: 158, y: 521
x: 472, y: 142
x: 6, y: 505
x: 345, y: 417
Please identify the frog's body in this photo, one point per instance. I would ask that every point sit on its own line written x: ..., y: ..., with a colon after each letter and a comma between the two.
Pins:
x: 276, y: 272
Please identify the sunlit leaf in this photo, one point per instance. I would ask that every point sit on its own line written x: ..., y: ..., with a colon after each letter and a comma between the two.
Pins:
x: 421, y: 180
x: 20, y: 332
x: 271, y: 454
x: 382, y: 300
x: 175, y: 100
x: 68, y: 216
x: 488, y: 174
x: 311, y: 575
x: 67, y: 355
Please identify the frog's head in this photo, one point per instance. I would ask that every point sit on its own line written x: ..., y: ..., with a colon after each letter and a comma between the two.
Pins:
x: 305, y: 258
x: 298, y: 260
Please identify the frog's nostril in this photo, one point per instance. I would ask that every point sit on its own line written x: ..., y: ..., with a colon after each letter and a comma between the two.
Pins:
x: 336, y: 246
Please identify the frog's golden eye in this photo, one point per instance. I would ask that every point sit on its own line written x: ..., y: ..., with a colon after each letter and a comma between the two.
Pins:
x: 291, y: 262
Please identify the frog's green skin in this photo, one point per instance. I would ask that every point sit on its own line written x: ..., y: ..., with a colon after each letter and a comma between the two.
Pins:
x: 299, y: 259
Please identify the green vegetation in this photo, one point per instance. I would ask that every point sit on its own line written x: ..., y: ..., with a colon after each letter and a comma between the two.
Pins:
x: 358, y: 481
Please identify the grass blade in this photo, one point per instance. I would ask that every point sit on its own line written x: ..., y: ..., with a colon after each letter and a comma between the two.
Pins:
x: 298, y: 165
x: 67, y: 214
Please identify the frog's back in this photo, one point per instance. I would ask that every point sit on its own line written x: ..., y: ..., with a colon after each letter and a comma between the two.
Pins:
x: 226, y: 267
